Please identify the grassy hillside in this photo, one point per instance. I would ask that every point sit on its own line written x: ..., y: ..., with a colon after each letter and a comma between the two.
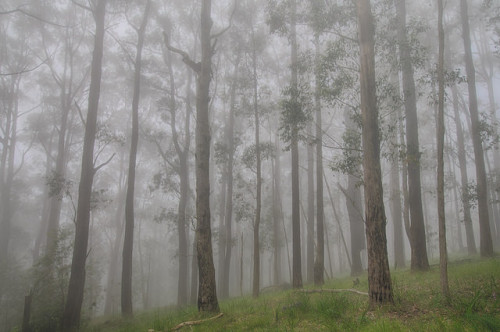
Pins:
x: 475, y: 306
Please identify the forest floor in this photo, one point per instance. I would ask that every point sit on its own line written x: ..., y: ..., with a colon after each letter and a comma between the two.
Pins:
x: 418, y: 306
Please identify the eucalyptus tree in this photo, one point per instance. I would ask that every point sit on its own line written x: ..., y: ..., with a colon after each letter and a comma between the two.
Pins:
x: 443, y: 254
x: 207, y: 295
x: 283, y: 20
x: 379, y: 279
x: 486, y: 244
x: 128, y: 242
x: 72, y: 310
x: 419, y: 260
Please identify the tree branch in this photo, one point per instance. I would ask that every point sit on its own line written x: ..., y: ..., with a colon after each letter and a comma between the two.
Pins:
x: 311, y: 291
x: 196, y: 66
x: 196, y: 322
x: 104, y: 163
x: 25, y: 70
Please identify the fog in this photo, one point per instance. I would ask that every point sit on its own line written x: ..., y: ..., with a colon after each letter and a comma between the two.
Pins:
x: 280, y: 86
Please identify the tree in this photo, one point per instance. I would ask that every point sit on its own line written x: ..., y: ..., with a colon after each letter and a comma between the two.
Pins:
x: 128, y: 242
x: 486, y: 244
x: 72, y: 310
x: 207, y: 294
x: 258, y: 206
x: 379, y: 278
x: 319, y: 263
x: 443, y: 254
x: 419, y: 259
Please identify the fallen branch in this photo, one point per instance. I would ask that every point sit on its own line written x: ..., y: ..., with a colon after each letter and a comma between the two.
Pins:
x: 310, y: 291
x: 196, y: 322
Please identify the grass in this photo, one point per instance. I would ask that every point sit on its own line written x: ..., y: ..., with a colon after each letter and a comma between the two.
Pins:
x: 418, y: 306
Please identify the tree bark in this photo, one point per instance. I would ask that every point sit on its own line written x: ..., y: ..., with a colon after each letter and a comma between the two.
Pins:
x: 207, y: 295
x: 72, y: 310
x: 486, y: 244
x: 379, y: 278
x: 419, y: 260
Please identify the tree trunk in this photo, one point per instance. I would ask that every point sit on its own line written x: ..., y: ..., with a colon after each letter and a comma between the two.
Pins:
x: 207, y: 294
x: 228, y: 215
x: 469, y: 232
x: 319, y: 264
x: 443, y: 254
x: 71, y: 315
x: 310, y: 208
x: 419, y: 260
x: 258, y: 208
x: 396, y: 192
x: 379, y: 278
x: 128, y: 242
x: 485, y: 245
x: 294, y: 147
x: 277, y: 216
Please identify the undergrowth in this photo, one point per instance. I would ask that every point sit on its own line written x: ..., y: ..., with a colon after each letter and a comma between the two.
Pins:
x: 418, y: 306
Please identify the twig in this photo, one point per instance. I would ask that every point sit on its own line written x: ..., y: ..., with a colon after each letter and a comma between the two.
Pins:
x: 196, y: 322
x: 310, y: 291
x: 24, y: 70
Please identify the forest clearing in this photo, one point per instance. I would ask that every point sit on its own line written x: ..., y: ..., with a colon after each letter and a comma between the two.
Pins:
x: 418, y: 306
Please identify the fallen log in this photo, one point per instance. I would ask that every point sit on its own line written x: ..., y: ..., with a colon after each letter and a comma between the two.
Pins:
x: 195, y: 322
x: 310, y: 291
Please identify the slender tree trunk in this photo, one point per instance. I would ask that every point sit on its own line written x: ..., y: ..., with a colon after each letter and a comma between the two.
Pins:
x: 486, y: 245
x: 396, y: 192
x: 194, y: 275
x: 294, y: 148
x: 228, y: 215
x: 379, y: 278
x: 443, y: 254
x: 319, y: 264
x: 128, y: 242
x: 310, y: 208
x: 277, y: 216
x: 256, y: 225
x: 72, y: 310
x: 419, y: 260
x: 207, y: 294
x: 469, y: 232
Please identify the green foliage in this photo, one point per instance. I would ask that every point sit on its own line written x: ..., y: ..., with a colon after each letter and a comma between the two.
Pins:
x: 296, y: 107
x: 58, y: 185
x: 249, y: 157
x: 50, y: 278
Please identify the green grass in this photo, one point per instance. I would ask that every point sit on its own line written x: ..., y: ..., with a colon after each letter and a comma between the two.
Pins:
x: 418, y: 306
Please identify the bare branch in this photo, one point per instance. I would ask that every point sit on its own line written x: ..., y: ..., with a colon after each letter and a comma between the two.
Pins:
x: 311, y: 291
x: 82, y: 6
x: 196, y: 322
x: 220, y: 33
x: 80, y: 113
x: 25, y: 70
x: 185, y: 57
x: 19, y: 10
x: 104, y: 163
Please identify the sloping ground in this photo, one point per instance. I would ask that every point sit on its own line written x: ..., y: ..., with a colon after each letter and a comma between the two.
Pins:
x: 475, y: 306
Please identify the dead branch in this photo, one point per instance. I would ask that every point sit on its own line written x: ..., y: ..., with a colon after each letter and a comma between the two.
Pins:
x: 24, y: 70
x: 196, y: 66
x: 311, y: 291
x: 196, y: 322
